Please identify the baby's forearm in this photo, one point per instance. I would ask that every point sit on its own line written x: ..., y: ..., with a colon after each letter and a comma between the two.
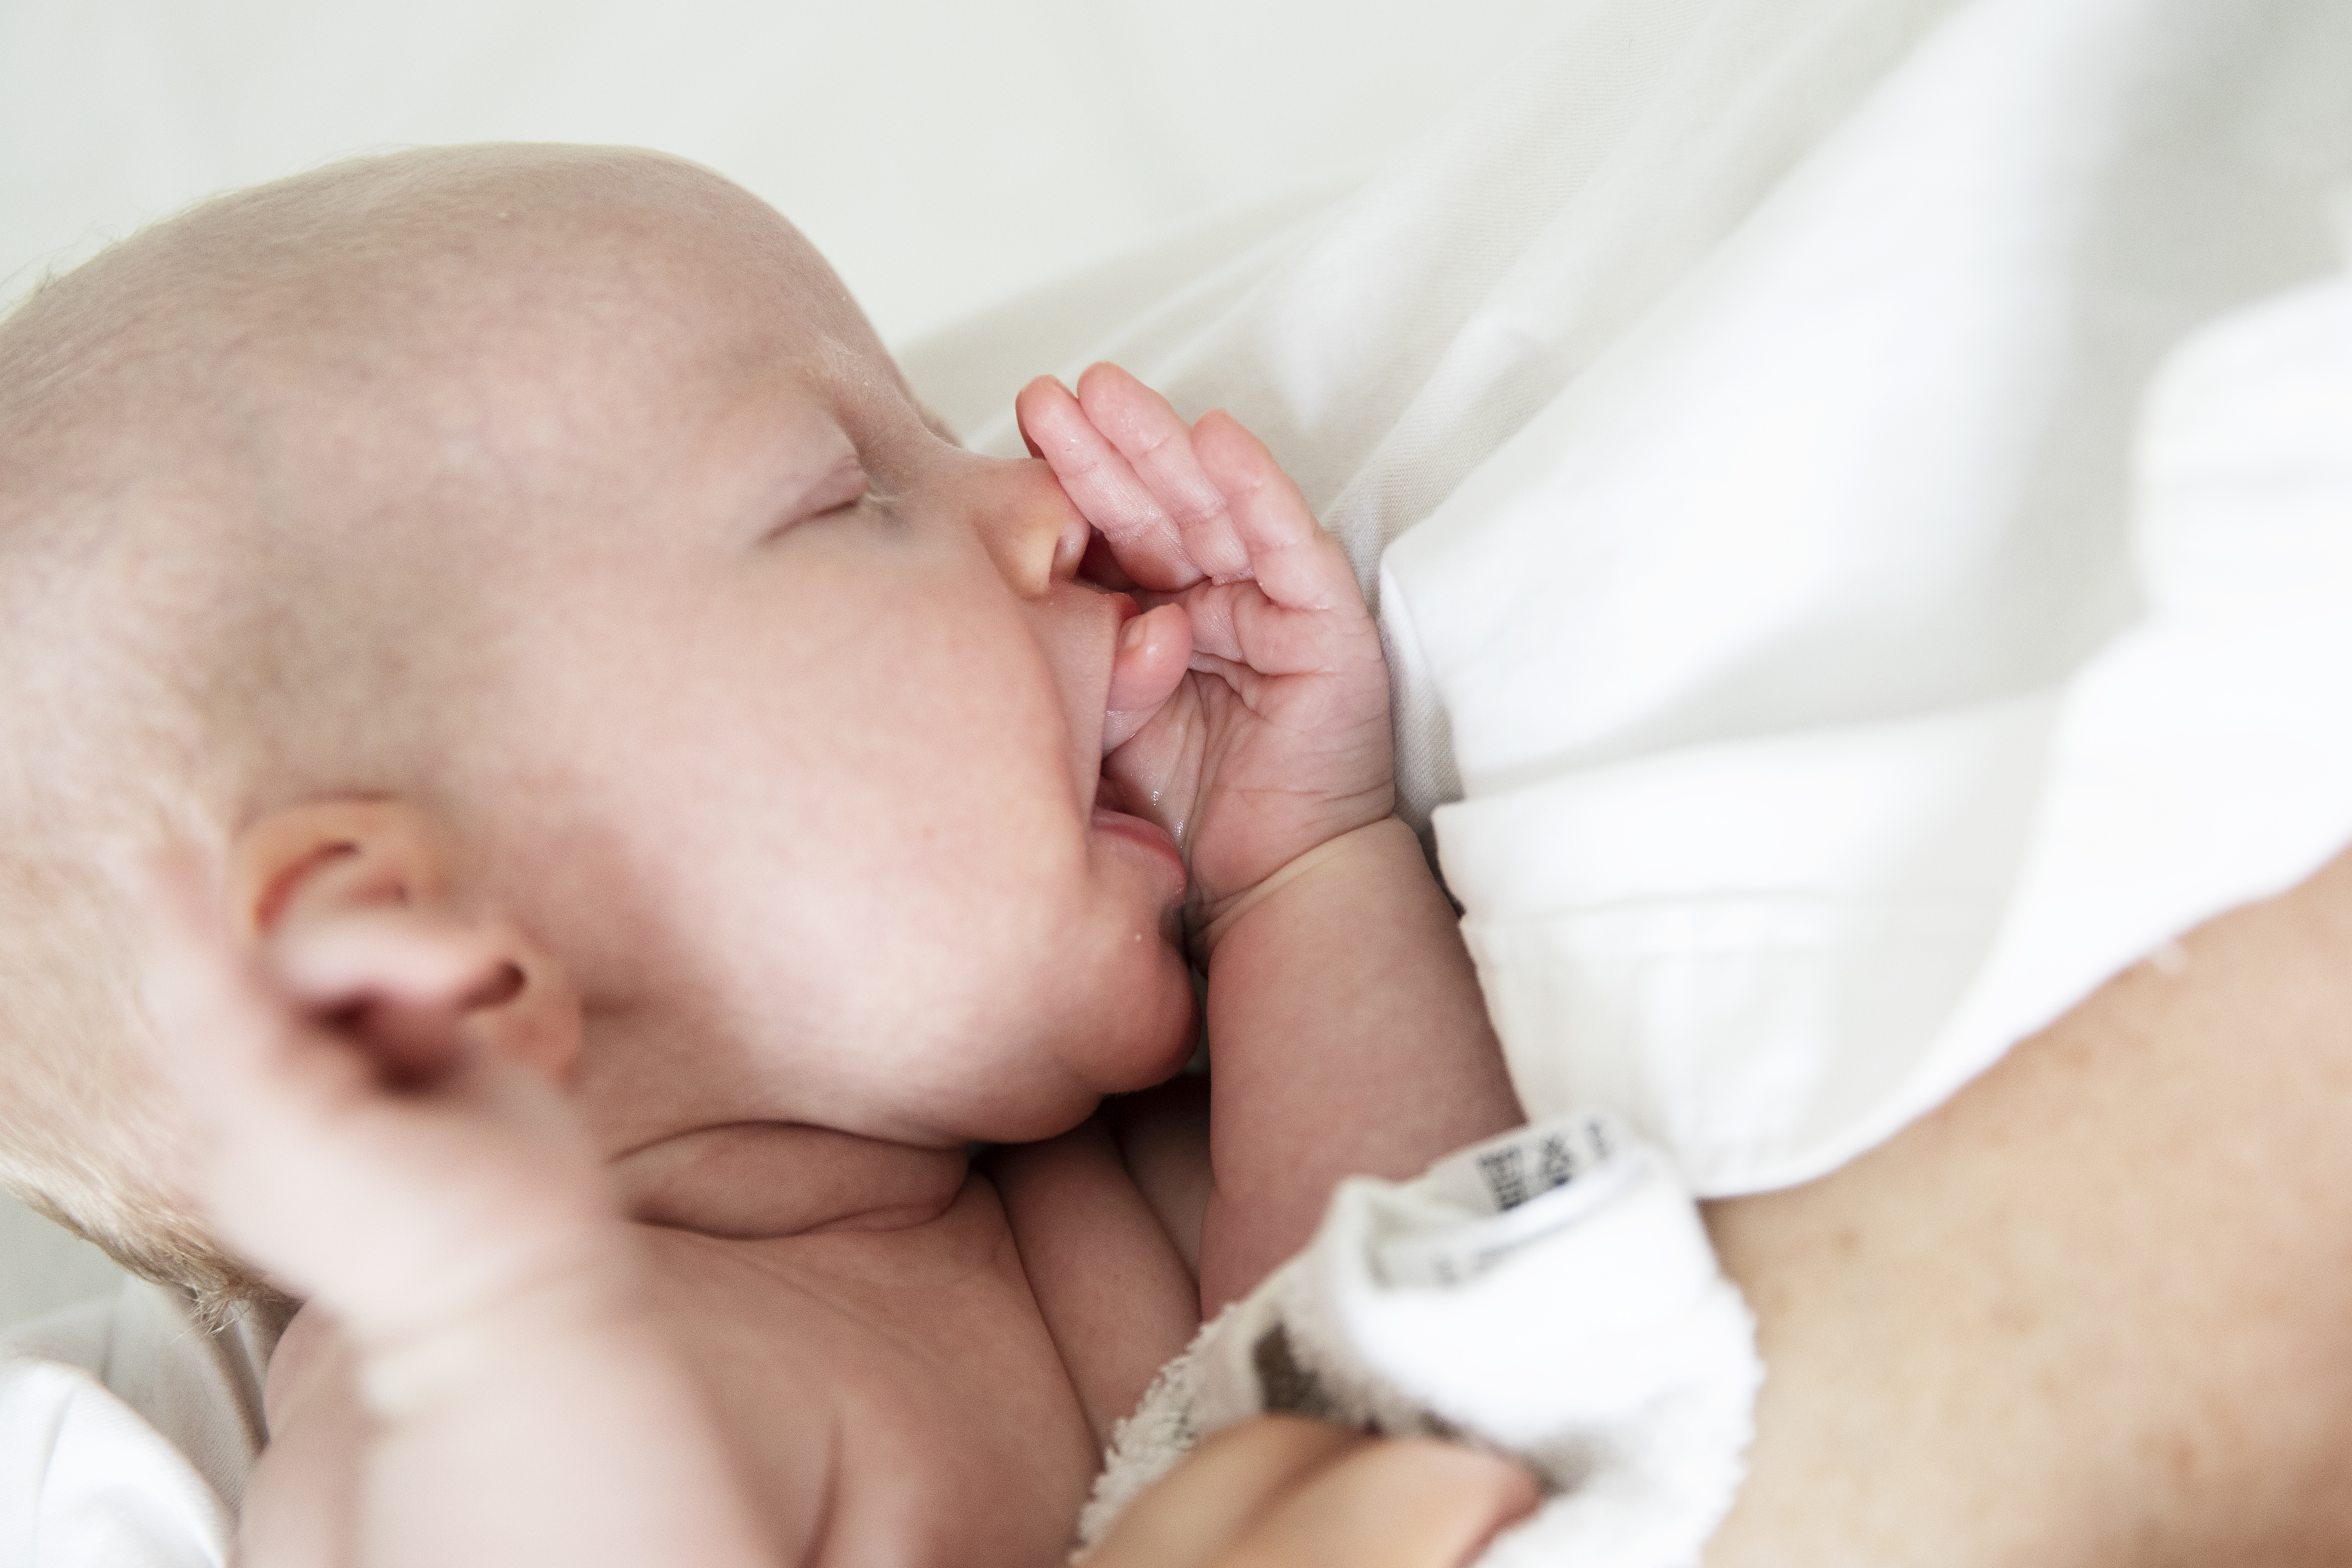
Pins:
x: 601, y: 1447
x: 1349, y: 1038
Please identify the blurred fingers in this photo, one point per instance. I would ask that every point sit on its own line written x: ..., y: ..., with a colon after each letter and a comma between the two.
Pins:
x: 1405, y: 1503
x: 214, y: 1014
x: 386, y: 989
x: 399, y: 984
x: 1280, y: 1492
x: 1201, y: 1509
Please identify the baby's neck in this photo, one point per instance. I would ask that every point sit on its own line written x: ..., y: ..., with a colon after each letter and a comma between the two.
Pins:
x: 756, y: 1180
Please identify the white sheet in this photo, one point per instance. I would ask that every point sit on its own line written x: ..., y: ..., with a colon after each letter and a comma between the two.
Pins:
x: 1733, y: 410
x: 85, y: 1481
x: 126, y: 1434
x: 943, y: 154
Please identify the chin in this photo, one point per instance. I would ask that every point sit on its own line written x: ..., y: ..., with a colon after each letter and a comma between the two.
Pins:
x: 1164, y: 1037
x: 1138, y: 1033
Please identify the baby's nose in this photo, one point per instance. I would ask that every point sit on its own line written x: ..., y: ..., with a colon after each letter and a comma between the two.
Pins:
x: 1032, y: 532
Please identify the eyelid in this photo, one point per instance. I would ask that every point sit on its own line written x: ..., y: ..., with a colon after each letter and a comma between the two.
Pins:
x: 845, y: 486
x: 840, y: 488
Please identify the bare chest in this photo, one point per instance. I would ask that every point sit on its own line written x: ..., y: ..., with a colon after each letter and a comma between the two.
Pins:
x: 892, y: 1396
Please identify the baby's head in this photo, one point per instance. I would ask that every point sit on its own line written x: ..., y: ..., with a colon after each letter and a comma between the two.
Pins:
x: 544, y: 531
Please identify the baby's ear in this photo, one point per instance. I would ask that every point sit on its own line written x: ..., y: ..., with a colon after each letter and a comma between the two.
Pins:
x: 331, y: 858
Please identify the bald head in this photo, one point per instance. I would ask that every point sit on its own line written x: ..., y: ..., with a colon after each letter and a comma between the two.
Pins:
x: 273, y: 478
x: 359, y: 293
x: 252, y: 429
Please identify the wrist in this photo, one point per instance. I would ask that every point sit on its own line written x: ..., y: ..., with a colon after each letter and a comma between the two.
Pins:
x: 1386, y: 836
x: 588, y: 1304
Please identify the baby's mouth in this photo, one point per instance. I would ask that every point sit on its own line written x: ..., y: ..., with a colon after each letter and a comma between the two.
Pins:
x: 1110, y: 796
x: 1111, y: 819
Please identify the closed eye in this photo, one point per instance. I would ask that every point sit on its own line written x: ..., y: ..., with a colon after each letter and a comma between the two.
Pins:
x: 841, y: 488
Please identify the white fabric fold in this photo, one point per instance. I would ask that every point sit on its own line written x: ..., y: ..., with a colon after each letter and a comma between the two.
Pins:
x: 1852, y: 580
x: 85, y: 1481
x: 1548, y: 1293
x: 127, y: 1431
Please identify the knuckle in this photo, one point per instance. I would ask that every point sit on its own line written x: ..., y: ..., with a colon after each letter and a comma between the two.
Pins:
x: 1196, y: 513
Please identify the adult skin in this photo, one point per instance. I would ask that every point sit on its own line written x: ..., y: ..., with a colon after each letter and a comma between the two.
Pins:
x: 2097, y: 1309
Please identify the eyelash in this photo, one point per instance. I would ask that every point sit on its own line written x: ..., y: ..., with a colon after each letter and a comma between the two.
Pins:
x: 839, y: 509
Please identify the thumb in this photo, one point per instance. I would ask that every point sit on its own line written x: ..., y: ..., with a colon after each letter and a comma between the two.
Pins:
x: 1155, y: 648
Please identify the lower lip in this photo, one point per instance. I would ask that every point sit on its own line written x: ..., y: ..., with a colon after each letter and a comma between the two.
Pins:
x: 1148, y: 835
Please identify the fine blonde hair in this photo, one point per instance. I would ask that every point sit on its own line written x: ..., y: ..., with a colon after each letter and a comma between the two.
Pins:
x: 97, y: 725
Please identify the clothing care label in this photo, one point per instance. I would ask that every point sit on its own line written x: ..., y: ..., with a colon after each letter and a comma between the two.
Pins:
x: 1494, y: 1198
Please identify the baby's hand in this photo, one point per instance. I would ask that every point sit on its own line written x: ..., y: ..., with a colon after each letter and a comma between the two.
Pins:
x: 1276, y: 740
x: 1278, y: 1492
x: 351, y: 1139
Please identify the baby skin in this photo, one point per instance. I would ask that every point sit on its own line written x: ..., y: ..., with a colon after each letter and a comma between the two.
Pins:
x: 755, y: 803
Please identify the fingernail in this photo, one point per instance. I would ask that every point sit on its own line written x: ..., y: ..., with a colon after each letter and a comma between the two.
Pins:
x: 1131, y: 635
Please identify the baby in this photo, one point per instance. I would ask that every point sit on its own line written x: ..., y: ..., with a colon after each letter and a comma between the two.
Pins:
x: 571, y: 741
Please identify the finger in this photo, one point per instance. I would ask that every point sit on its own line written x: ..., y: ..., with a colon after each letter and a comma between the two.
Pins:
x: 1144, y: 540
x: 1202, y: 1507
x: 1233, y: 621
x: 398, y: 983
x: 1298, y: 564
x: 1406, y: 1503
x: 247, y: 1063
x: 390, y: 955
x: 1157, y: 446
x: 391, y: 986
x: 1155, y: 648
x: 215, y: 1024
x: 1247, y: 683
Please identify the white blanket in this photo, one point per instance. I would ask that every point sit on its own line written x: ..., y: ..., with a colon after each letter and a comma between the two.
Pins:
x: 1735, y: 411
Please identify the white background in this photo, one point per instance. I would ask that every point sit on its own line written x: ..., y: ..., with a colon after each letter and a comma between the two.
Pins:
x: 945, y: 153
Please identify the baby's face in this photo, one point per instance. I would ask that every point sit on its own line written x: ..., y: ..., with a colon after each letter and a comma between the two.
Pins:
x: 791, y: 719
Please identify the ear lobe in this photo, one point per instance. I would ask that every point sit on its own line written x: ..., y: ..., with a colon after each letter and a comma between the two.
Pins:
x: 334, y: 858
